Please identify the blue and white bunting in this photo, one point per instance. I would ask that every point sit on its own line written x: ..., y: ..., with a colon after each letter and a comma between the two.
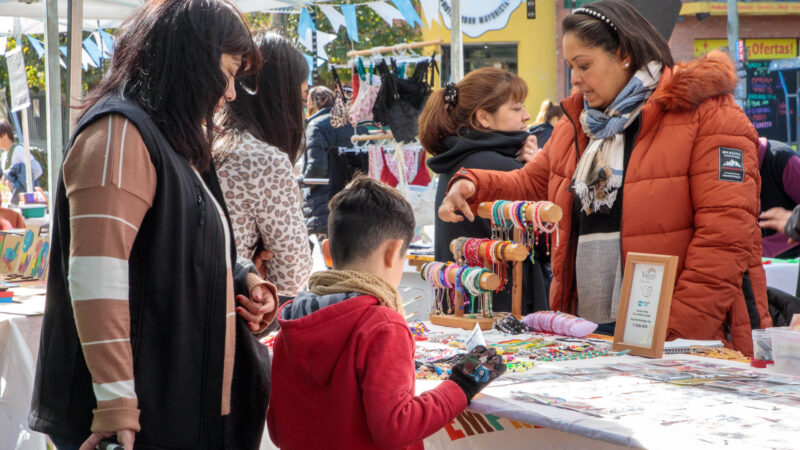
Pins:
x: 387, y: 12
x: 334, y: 17
x: 349, y: 13
x: 430, y: 8
x: 37, y: 45
x: 409, y: 13
x: 92, y: 50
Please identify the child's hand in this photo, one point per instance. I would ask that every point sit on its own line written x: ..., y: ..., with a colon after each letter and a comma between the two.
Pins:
x: 477, y: 369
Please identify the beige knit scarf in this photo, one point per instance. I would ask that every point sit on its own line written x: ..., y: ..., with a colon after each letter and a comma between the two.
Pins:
x: 341, y: 281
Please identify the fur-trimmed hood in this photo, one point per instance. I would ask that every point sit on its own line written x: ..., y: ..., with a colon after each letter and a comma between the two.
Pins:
x: 695, y: 81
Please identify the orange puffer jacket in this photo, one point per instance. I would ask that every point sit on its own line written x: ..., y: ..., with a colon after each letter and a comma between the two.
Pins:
x: 674, y: 202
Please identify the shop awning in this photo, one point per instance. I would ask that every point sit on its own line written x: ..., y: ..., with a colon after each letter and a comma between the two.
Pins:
x: 745, y: 8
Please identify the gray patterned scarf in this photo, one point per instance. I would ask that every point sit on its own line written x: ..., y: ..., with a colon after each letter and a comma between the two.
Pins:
x: 598, y: 176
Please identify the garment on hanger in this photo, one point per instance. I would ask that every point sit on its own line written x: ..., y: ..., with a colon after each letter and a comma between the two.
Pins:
x: 414, y: 170
x: 355, y: 83
x: 361, y: 111
x: 400, y: 102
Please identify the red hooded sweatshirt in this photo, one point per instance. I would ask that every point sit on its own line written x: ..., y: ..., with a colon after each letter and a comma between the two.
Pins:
x: 343, y: 377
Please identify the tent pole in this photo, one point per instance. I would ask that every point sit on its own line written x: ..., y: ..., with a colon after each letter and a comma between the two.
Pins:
x: 52, y: 73
x: 75, y: 44
x: 456, y: 43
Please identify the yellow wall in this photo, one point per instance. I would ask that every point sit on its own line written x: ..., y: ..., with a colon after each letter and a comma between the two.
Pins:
x: 536, y: 49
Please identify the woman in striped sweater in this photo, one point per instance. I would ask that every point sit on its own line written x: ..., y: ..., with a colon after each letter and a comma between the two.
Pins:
x: 141, y: 337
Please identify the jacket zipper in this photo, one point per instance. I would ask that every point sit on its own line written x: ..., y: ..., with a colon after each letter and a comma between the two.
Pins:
x: 622, y: 186
x: 572, y: 220
x: 210, y: 308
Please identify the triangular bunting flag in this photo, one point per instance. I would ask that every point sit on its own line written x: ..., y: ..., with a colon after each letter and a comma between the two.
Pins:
x: 93, y: 50
x: 386, y: 11
x: 86, y: 60
x: 349, y: 12
x: 108, y: 42
x: 305, y: 40
x: 334, y: 17
x: 37, y: 45
x: 409, y: 13
x: 430, y: 8
x: 305, y: 23
x: 323, y: 39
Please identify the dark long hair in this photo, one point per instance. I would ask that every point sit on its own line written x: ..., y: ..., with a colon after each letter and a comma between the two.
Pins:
x: 275, y: 113
x: 168, y: 61
x: 632, y: 34
x: 487, y: 88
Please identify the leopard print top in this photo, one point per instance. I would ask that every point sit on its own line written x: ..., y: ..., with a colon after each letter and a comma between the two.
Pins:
x: 264, y: 200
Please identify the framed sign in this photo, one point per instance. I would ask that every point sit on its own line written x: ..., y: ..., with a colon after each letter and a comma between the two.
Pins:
x: 644, y: 304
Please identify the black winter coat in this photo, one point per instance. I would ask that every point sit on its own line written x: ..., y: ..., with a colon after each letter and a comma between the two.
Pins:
x: 475, y: 149
x: 321, y: 138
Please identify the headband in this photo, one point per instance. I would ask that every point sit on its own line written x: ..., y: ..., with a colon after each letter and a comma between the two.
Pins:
x: 596, y: 15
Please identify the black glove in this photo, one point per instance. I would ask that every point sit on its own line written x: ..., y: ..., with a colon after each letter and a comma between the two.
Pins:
x: 476, y: 370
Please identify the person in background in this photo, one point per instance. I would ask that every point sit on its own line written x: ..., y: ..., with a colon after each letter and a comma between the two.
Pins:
x: 481, y: 123
x: 263, y: 134
x: 549, y: 115
x: 780, y: 193
x: 322, y: 139
x: 144, y: 336
x: 652, y: 158
x: 343, y: 367
x: 13, y: 164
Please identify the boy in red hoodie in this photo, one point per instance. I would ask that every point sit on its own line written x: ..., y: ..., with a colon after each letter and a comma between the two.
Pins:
x: 343, y: 365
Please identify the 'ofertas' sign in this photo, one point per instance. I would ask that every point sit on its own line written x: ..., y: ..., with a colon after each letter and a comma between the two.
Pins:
x: 480, y: 16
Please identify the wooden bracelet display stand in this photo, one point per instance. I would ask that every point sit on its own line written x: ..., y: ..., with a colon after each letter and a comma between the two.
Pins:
x: 489, y: 282
x: 515, y: 253
x: 549, y: 214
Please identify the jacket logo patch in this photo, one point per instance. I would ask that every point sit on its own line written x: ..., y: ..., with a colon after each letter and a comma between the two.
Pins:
x: 731, y: 165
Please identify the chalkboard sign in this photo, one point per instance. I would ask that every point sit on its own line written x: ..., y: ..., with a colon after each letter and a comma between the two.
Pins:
x: 765, y: 104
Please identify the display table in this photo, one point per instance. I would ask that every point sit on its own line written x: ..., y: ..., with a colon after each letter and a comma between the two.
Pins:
x: 614, y: 402
x: 19, y: 347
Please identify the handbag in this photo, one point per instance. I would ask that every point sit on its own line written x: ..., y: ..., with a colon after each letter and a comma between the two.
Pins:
x: 341, y: 104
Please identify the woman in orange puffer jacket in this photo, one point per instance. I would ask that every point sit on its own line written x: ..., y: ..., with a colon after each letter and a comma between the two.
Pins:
x: 650, y: 158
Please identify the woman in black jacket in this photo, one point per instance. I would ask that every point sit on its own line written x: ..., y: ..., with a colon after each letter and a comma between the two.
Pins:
x: 142, y: 337
x: 481, y: 123
x: 319, y: 160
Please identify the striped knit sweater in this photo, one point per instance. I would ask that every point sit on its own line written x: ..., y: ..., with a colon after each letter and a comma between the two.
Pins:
x: 111, y: 183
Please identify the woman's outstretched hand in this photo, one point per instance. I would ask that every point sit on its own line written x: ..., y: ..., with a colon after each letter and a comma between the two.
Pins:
x: 456, y: 201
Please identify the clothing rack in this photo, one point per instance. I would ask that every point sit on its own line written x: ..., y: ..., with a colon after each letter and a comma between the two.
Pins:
x: 394, y: 48
x: 371, y: 137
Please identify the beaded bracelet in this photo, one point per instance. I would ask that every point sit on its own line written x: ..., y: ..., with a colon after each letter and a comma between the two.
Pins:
x: 459, y: 280
x: 471, y: 251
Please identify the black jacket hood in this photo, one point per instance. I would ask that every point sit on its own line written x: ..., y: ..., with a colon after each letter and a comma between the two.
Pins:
x: 469, y: 141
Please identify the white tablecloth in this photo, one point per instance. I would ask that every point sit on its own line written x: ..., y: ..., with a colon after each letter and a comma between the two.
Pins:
x: 19, y: 345
x: 651, y: 414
